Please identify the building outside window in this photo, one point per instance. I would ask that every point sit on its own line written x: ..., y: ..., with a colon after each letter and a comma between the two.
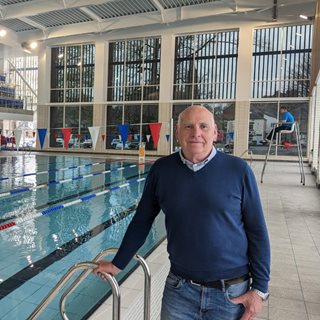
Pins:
x: 206, y: 66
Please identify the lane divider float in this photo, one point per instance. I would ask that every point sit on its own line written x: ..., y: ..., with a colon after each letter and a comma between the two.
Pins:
x: 51, y: 183
x: 57, y: 170
x: 71, y: 203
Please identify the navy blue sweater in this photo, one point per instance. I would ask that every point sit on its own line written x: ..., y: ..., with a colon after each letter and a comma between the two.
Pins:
x: 214, y: 220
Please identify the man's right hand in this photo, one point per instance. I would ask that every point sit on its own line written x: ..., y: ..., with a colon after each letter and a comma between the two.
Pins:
x: 105, y: 266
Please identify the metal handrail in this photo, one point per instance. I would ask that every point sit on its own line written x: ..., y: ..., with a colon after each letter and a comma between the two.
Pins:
x: 89, y: 266
x: 82, y: 265
x: 84, y: 274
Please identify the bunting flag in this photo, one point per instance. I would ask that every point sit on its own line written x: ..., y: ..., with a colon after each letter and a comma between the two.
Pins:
x: 124, y: 130
x: 155, y: 132
x: 94, y: 132
x: 231, y: 135
x: 33, y: 134
x: 103, y: 136
x: 17, y: 134
x: 138, y: 136
x: 148, y: 137
x: 66, y: 136
x: 42, y: 135
x: 167, y: 137
x: 287, y: 145
x: 79, y: 138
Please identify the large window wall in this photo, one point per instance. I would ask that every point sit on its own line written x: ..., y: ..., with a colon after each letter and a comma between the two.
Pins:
x: 282, y: 61
x: 134, y: 70
x: 72, y: 73
x: 72, y: 81
x: 205, y: 66
x: 133, y: 75
x: 280, y: 73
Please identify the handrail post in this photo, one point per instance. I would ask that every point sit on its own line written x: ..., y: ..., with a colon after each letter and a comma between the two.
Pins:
x: 82, y: 265
x: 89, y: 266
x: 147, y: 287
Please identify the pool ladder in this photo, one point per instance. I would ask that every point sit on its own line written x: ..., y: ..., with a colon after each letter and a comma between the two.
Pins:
x: 88, y: 266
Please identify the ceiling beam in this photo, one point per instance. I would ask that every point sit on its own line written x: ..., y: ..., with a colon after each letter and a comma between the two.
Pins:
x: 35, y: 7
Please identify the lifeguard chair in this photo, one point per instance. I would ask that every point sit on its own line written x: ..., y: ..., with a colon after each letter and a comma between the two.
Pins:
x: 295, y: 131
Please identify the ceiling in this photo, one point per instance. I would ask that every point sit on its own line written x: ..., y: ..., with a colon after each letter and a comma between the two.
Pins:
x: 27, y: 20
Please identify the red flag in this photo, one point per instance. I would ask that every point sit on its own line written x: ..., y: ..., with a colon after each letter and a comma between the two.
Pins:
x: 103, y: 137
x: 66, y: 136
x: 155, y: 132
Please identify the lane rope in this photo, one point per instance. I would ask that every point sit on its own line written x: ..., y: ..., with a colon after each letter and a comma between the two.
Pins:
x: 69, y: 204
x: 57, y: 170
x: 51, y: 183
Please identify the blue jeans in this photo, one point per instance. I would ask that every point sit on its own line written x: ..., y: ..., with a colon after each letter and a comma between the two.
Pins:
x: 183, y: 300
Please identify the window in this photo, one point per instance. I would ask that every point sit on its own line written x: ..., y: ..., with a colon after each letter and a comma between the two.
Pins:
x: 206, y: 66
x: 138, y: 117
x: 263, y: 117
x: 281, y: 62
x: 78, y: 118
x: 134, y: 70
x: 72, y: 73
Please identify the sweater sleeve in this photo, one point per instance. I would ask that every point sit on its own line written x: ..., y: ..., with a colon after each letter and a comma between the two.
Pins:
x: 140, y: 224
x: 257, y: 234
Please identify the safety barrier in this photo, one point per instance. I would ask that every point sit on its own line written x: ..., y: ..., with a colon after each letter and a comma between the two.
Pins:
x: 89, y: 266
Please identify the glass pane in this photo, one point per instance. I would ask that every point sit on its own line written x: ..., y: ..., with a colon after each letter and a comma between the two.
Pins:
x: 132, y: 114
x: 150, y: 113
x: 86, y: 121
x: 114, y: 118
x: 57, y: 67
x: 56, y: 123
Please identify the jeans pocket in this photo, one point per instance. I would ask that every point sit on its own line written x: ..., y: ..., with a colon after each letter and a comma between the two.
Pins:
x: 173, y: 281
x: 237, y: 290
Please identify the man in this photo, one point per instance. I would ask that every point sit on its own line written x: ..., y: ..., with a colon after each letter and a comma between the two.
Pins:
x: 286, y: 122
x: 217, y: 237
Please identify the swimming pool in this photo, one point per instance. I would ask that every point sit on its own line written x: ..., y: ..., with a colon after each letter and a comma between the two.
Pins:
x: 56, y: 211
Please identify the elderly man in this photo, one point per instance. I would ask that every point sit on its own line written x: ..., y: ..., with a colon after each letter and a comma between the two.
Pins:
x: 218, y: 243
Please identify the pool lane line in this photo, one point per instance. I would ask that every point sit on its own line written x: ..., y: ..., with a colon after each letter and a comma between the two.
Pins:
x: 68, y: 204
x: 54, y: 182
x: 27, y: 273
x: 50, y: 203
x: 57, y: 170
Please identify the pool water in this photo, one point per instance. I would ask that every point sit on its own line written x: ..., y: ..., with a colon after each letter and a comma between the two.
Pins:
x: 56, y: 211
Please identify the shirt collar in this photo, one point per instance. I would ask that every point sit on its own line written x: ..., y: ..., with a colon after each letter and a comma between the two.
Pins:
x: 197, y: 166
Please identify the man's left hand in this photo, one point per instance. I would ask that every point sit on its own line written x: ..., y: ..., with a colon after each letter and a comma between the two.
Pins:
x: 252, y: 303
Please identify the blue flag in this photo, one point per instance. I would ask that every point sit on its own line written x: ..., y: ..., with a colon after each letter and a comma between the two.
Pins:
x: 42, y: 135
x: 124, y: 130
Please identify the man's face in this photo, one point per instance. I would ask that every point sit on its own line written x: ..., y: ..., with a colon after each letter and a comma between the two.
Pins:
x: 196, y: 133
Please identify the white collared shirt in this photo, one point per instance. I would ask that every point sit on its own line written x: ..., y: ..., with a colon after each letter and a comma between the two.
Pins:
x: 197, y: 166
